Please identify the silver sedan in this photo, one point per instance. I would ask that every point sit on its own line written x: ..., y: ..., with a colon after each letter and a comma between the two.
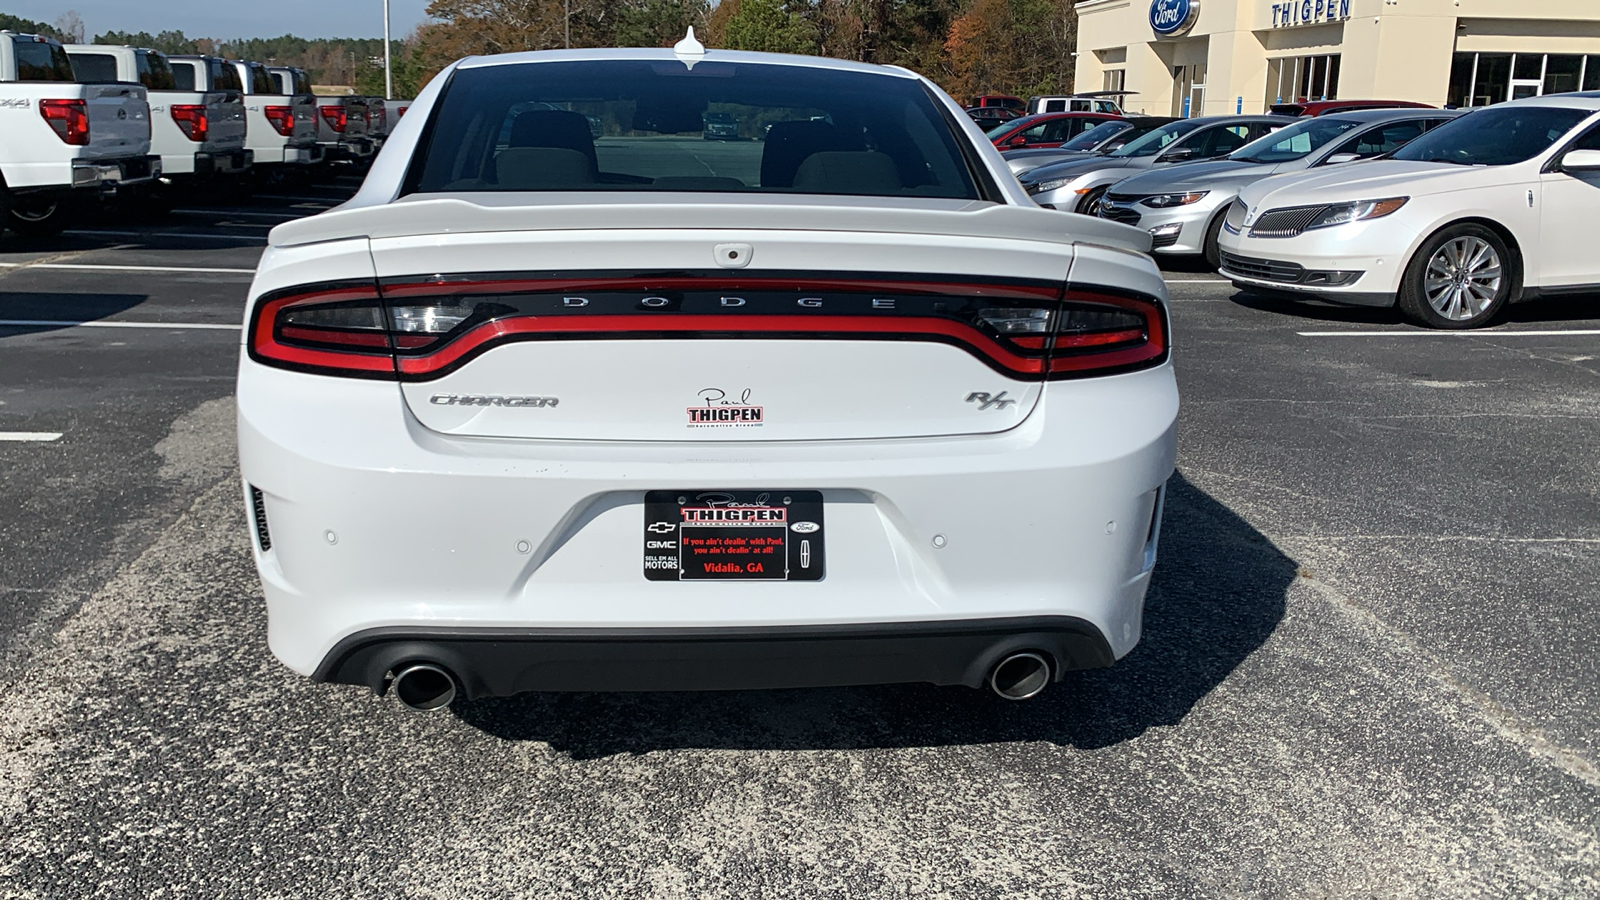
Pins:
x: 1183, y: 207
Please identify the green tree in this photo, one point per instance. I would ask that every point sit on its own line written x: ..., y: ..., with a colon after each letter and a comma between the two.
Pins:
x: 27, y: 26
x: 169, y: 42
x: 769, y: 26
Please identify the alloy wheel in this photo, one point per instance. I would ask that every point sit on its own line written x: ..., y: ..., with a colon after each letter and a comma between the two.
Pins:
x: 1463, y: 278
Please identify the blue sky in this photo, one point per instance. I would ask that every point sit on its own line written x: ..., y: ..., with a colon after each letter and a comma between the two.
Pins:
x: 232, y: 18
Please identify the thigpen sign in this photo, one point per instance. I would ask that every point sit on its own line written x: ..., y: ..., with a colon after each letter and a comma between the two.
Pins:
x: 1292, y: 13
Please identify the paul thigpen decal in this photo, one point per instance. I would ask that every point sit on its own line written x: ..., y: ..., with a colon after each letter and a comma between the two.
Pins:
x: 719, y: 411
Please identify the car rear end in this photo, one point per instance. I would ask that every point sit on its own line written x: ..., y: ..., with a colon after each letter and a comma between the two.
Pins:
x: 342, y: 129
x: 280, y: 127
x: 211, y: 122
x: 537, y: 434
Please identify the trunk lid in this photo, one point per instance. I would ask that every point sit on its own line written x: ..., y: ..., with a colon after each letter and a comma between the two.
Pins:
x: 119, y: 121
x: 305, y: 120
x: 714, y: 328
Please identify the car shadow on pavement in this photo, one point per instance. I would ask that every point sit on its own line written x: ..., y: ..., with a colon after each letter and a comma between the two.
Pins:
x: 39, y: 306
x: 1219, y: 592
x: 1557, y: 309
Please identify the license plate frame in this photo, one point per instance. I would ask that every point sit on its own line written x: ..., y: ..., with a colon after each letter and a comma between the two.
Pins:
x: 737, y: 535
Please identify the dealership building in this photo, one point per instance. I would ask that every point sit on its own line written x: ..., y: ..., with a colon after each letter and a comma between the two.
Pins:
x: 1210, y: 57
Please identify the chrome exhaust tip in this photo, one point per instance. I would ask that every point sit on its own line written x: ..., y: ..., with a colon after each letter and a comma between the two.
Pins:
x: 1020, y: 676
x: 424, y: 687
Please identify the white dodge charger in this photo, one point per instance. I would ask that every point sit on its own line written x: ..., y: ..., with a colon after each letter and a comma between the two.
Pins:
x: 1495, y: 207
x: 569, y: 398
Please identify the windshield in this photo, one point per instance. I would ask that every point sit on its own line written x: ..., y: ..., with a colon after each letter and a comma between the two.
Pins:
x: 1497, y: 136
x: 94, y: 68
x: 42, y: 61
x: 1096, y: 136
x: 636, y: 125
x: 1294, y: 142
x: 183, y: 73
x: 154, y: 73
x: 1155, y: 141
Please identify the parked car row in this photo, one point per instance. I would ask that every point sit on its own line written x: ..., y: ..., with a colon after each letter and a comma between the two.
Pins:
x: 1448, y: 214
x: 136, y: 121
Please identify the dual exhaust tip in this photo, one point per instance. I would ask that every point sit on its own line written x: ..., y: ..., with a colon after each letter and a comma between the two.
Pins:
x: 425, y: 687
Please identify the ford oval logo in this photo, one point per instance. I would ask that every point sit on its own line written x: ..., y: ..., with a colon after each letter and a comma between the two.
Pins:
x: 1169, y: 17
x: 805, y: 527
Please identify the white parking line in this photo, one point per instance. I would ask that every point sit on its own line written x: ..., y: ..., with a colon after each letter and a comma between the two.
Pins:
x: 170, y: 326
x: 1475, y: 333
x: 170, y: 234
x: 41, y: 436
x: 1197, y: 281
x: 111, y: 268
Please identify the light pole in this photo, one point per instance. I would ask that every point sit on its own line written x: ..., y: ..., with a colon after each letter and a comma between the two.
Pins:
x: 569, y: 25
x: 388, y: 72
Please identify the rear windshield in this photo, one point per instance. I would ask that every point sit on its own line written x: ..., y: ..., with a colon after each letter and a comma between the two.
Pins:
x: 641, y: 125
x: 183, y: 71
x: 224, y: 77
x: 261, y: 80
x: 154, y: 73
x: 1155, y: 141
x: 302, y: 82
x: 1294, y: 142
x: 44, y: 61
x: 1096, y: 136
x: 1497, y: 136
x: 93, y: 68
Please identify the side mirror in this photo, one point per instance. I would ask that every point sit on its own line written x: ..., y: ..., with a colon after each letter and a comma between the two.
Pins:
x: 1018, y: 141
x: 1581, y: 161
x: 1178, y: 154
x: 1338, y: 158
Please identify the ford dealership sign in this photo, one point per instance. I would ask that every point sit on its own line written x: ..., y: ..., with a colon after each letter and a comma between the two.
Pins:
x: 1171, y: 17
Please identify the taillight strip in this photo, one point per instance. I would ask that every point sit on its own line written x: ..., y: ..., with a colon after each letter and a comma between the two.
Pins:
x: 373, y: 360
x: 602, y: 327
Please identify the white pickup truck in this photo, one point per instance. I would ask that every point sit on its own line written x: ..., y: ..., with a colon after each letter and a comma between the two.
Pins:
x: 180, y: 122
x: 281, y: 126
x: 216, y: 130
x: 61, y: 140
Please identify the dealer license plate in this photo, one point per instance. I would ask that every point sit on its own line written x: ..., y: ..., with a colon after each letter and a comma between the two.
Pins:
x: 733, y: 535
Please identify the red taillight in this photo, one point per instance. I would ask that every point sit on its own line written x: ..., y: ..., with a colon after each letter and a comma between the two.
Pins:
x: 282, y: 119
x: 336, y: 117
x: 1025, y: 330
x: 68, y: 118
x: 400, y: 112
x: 191, y: 118
x: 335, y: 329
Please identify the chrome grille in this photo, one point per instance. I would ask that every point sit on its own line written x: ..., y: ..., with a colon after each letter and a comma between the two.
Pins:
x: 1264, y: 269
x: 1287, y: 222
x: 1117, y: 212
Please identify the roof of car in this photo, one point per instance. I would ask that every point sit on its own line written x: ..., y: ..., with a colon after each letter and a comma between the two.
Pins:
x: 1383, y: 115
x: 711, y: 55
x: 1589, y: 100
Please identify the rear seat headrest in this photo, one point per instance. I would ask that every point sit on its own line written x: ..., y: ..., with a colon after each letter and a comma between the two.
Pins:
x: 848, y: 172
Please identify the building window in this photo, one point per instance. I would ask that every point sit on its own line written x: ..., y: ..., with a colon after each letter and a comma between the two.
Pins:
x: 1479, y: 79
x: 1189, y: 90
x: 1114, y: 80
x: 1300, y: 79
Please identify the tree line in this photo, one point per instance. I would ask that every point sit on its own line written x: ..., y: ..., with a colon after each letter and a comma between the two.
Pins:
x: 969, y: 47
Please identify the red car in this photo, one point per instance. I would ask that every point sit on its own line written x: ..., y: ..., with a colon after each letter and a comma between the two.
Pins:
x: 1329, y: 107
x: 1047, y: 130
x: 1005, y: 101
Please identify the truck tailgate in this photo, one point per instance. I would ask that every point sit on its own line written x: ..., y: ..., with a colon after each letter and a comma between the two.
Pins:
x: 119, y: 121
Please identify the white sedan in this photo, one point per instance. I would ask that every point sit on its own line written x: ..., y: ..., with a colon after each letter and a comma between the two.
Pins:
x: 1492, y: 208
x: 538, y: 410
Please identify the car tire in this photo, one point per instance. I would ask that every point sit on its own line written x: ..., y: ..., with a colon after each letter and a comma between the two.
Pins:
x: 1460, y: 278
x: 38, y: 218
x: 1090, y: 204
x: 1212, y: 246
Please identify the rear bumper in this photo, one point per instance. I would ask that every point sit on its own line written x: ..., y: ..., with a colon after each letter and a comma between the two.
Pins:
x: 356, y: 148
x: 132, y: 170
x: 376, y: 522
x: 223, y: 163
x: 502, y: 662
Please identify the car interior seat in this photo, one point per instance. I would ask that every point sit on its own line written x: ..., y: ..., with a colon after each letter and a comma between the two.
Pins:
x: 790, y: 143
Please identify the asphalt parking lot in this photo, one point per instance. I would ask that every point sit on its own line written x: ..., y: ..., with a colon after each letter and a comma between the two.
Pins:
x: 1368, y: 670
